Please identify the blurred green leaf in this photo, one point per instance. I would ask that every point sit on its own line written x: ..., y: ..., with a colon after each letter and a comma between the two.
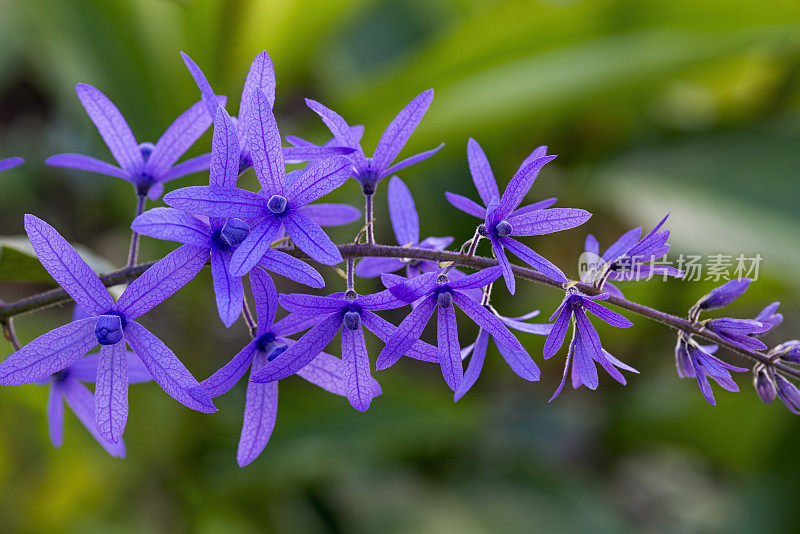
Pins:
x: 18, y: 262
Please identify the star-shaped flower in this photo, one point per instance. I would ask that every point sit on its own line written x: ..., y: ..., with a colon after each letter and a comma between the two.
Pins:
x: 585, y: 349
x: 370, y: 171
x: 278, y: 204
x: 519, y: 361
x: 10, y: 163
x: 110, y: 324
x: 629, y: 258
x: 694, y: 360
x: 148, y: 167
x: 271, y: 340
x: 221, y: 237
x: 67, y: 385
x: 502, y: 219
x: 438, y: 292
x: 350, y: 313
x: 261, y: 76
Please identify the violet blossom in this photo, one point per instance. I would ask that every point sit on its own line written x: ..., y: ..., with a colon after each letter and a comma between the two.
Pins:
x: 110, y: 324
x: 502, y: 218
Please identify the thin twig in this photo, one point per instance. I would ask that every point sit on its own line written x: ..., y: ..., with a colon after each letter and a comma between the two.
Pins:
x: 141, y: 200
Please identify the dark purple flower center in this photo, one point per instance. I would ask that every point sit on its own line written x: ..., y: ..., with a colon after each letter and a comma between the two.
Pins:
x: 232, y: 233
x: 108, y: 329
x: 444, y: 297
x: 146, y: 149
x: 60, y: 376
x: 351, y: 320
x: 503, y: 228
x: 276, y: 204
x: 369, y: 179
x: 575, y: 302
x: 263, y: 341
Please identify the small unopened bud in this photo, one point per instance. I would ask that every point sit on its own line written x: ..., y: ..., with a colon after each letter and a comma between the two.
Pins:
x: 503, y: 228
x: 444, y: 299
x: 764, y: 386
x: 108, y: 329
x: 352, y: 320
x: 276, y: 204
x: 482, y: 231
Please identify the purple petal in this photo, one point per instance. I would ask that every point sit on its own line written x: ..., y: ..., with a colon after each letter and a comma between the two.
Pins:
x: 537, y: 153
x: 66, y: 266
x: 384, y: 330
x: 519, y: 186
x: 166, y: 369
x: 229, y: 374
x: 178, y: 138
x: 10, y: 163
x: 300, y: 154
x: 170, y: 224
x: 80, y: 401
x: 318, y: 179
x: 328, y: 372
x: 261, y: 76
x: 610, y: 317
x: 505, y: 265
x: 520, y: 362
x: 260, y: 412
x: 466, y: 205
x: 481, y: 172
x: 298, y: 142
x: 587, y: 350
x: 190, y: 166
x: 540, y: 222
x: 112, y: 127
x: 724, y: 294
x: 372, y: 267
x: 310, y: 304
x: 556, y: 337
x: 311, y: 239
x: 331, y: 214
x: 570, y: 350
x: 475, y: 364
x: 400, y: 129
x: 533, y: 259
x: 623, y: 244
x: 137, y: 372
x: 207, y: 94
x: 292, y: 268
x: 407, y: 333
x: 255, y: 245
x: 412, y: 289
x: 302, y: 352
x: 382, y: 300
x: 218, y: 202
x: 542, y: 204
x: 416, y: 158
x: 84, y: 369
x: 86, y: 163
x: 355, y: 364
x: 449, y: 348
x: 265, y: 297
x: 162, y: 280
x: 55, y: 415
x: 486, y: 320
x: 111, y: 392
x: 225, y: 152
x: 340, y: 129
x: 402, y: 213
x: 228, y: 289
x: 49, y: 353
x: 294, y: 323
x: 478, y: 279
x: 541, y: 329
x: 264, y: 142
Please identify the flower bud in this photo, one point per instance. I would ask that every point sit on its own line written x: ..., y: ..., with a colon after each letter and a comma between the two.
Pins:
x: 233, y: 232
x: 276, y: 204
x: 444, y: 299
x: 352, y: 320
x: 503, y: 228
x: 108, y: 329
x: 764, y: 386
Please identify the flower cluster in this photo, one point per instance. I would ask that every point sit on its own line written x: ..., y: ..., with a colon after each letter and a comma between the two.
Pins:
x: 279, y: 228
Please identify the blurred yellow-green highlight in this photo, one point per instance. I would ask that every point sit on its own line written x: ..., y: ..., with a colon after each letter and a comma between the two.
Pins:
x: 652, y: 106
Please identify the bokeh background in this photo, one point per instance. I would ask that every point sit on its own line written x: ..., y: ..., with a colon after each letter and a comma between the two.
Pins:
x: 651, y: 105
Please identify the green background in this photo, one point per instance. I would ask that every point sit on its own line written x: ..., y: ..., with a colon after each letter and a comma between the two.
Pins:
x: 682, y: 105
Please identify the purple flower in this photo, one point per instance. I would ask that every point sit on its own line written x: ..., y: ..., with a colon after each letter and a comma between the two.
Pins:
x: 764, y: 385
x: 405, y: 223
x: 769, y: 317
x: 788, y: 351
x: 502, y: 219
x: 697, y: 361
x: 110, y: 324
x: 221, y: 237
x: 66, y: 385
x: 349, y: 313
x: 628, y: 259
x: 438, y: 292
x: 278, y: 204
x: 519, y: 361
x: 585, y: 348
x: 10, y: 163
x: 145, y: 165
x: 723, y: 295
x: 261, y: 76
x: 788, y: 394
x: 261, y: 404
x: 369, y: 171
x: 737, y: 331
